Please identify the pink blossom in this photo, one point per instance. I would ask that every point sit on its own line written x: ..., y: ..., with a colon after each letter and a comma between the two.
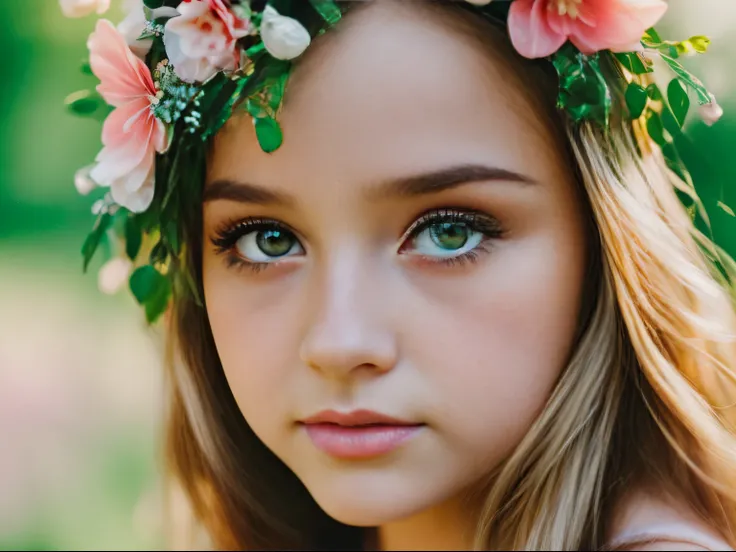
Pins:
x: 539, y: 28
x: 202, y: 40
x: 131, y: 134
x: 711, y: 112
x: 82, y: 8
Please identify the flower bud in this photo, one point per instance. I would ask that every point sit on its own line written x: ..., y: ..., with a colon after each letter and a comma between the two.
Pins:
x: 284, y: 37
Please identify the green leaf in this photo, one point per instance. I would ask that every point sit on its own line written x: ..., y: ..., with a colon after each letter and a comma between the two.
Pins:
x: 269, y: 134
x: 328, y: 9
x: 171, y: 233
x: 152, y: 290
x: 635, y: 63
x: 675, y: 164
x: 133, y: 237
x: 670, y: 123
x: 652, y: 35
x: 156, y: 305
x: 636, y: 99
x: 146, y: 282
x: 584, y: 92
x: 159, y: 253
x: 86, y: 68
x: 655, y: 93
x: 84, y: 102
x: 255, y: 108
x: 655, y: 128
x: 678, y: 100
x: 688, y: 78
x: 256, y: 49
x: 90, y: 245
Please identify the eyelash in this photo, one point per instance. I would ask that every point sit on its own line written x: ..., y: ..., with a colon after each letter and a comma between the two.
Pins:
x: 227, y: 236
x: 476, y: 221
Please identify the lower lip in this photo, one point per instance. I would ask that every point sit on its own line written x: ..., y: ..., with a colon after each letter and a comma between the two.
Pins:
x: 354, y: 442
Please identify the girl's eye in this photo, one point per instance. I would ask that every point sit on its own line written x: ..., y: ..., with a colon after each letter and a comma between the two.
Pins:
x: 451, y: 236
x: 267, y: 245
x: 254, y: 243
x: 447, y: 239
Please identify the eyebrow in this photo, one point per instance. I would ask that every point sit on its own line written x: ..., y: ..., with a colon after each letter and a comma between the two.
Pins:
x: 445, y: 179
x: 411, y: 186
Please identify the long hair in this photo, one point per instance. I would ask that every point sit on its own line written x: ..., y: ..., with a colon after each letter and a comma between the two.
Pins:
x: 645, y: 400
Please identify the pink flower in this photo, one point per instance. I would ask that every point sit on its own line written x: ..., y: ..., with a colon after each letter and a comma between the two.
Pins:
x: 131, y: 134
x: 539, y: 28
x: 711, y: 112
x: 203, y: 39
x: 82, y: 8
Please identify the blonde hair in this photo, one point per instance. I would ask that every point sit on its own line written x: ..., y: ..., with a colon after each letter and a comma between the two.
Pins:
x: 646, y: 399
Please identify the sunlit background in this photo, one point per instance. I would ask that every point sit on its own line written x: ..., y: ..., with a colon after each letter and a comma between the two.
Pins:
x: 80, y: 378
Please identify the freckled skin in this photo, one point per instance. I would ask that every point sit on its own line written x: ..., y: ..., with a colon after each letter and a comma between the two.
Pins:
x: 471, y: 350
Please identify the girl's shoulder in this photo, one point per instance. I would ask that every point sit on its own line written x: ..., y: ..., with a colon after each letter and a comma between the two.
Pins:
x: 647, y: 520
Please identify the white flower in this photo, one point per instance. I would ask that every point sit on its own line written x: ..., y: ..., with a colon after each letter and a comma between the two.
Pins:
x: 202, y: 40
x: 82, y: 8
x: 284, y: 37
x: 113, y: 275
x: 134, y: 23
x: 135, y: 199
x: 479, y: 2
x: 83, y: 182
x: 711, y: 112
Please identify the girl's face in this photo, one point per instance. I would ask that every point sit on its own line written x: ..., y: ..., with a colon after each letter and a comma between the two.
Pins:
x: 415, y: 249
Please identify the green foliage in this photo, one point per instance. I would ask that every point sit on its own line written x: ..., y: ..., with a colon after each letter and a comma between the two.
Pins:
x: 104, y: 221
x: 636, y: 99
x: 268, y: 133
x: 674, y: 49
x: 133, y: 237
x: 328, y: 9
x: 88, y: 103
x: 635, y: 63
x: 152, y: 290
x: 584, y: 92
x: 678, y: 100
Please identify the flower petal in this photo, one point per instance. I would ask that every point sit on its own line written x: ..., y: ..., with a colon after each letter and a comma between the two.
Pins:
x: 187, y: 68
x: 137, y: 201
x: 530, y: 31
x: 619, y: 24
x: 127, y: 122
x: 122, y: 75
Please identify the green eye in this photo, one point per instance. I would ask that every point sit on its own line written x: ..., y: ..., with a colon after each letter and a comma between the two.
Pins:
x: 274, y: 243
x: 449, y: 236
x: 266, y: 245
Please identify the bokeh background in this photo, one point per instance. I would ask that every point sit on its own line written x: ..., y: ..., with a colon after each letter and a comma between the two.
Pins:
x: 80, y: 379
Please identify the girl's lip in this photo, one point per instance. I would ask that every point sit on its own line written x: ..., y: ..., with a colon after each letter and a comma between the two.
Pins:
x: 359, y: 441
x: 359, y: 433
x: 355, y: 418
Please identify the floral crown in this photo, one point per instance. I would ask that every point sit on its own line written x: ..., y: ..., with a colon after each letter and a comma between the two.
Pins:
x: 173, y: 72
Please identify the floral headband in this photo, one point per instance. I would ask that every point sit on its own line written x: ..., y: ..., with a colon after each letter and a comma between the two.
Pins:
x: 173, y: 72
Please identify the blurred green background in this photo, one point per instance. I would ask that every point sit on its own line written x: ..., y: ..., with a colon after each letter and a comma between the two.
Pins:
x: 80, y: 383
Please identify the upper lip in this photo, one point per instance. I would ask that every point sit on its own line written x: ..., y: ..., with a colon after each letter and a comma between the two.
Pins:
x: 355, y: 418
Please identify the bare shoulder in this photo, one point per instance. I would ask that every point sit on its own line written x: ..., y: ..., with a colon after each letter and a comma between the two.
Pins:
x: 646, y: 520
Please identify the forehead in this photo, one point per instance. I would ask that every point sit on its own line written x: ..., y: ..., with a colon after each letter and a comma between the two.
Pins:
x: 396, y: 90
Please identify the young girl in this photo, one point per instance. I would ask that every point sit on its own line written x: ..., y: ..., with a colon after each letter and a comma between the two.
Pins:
x: 435, y: 271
